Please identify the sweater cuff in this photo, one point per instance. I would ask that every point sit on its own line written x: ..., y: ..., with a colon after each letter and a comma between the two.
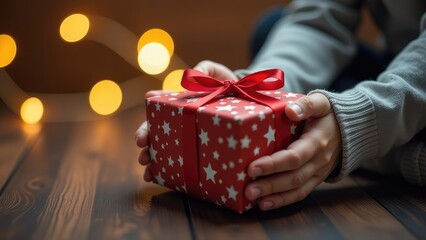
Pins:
x: 413, y: 163
x: 356, y: 117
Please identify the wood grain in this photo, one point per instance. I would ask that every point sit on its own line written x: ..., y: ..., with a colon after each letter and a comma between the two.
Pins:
x: 355, y: 214
x: 16, y: 139
x: 405, y: 202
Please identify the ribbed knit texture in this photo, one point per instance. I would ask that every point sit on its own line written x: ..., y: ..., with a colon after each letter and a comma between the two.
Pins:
x: 413, y: 163
x: 355, y: 114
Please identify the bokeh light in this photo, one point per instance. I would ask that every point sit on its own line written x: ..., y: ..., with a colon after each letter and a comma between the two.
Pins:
x: 32, y: 110
x: 7, y: 50
x: 74, y: 27
x: 153, y: 58
x: 159, y: 36
x: 105, y: 97
x: 172, y: 81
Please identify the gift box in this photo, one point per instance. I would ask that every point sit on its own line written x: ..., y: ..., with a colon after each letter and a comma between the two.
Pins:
x: 201, y: 142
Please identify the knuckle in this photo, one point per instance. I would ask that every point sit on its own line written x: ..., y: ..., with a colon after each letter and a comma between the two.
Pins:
x: 298, y: 179
x: 306, y: 103
x: 295, y: 159
x: 301, y: 194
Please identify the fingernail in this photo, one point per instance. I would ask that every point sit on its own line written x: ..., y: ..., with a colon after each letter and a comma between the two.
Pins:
x: 267, y: 205
x: 256, y: 172
x: 296, y: 108
x: 255, y: 192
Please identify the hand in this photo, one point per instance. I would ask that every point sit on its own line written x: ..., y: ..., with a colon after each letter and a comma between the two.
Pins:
x: 141, y: 138
x: 289, y: 175
x: 215, y: 70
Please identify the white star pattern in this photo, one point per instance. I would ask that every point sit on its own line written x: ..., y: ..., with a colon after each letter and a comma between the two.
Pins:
x: 170, y: 161
x: 180, y: 110
x: 241, y: 176
x: 232, y: 143
x: 261, y: 116
x: 245, y: 142
x: 158, y: 107
x: 250, y: 107
x: 225, y: 108
x: 180, y: 160
x: 177, y: 142
x: 223, y: 198
x: 293, y: 129
x: 160, y: 180
x: 153, y: 153
x: 290, y: 95
x: 216, y: 155
x: 232, y: 194
x: 270, y: 135
x: 254, y: 127
x: 166, y: 128
x: 216, y: 120
x: 256, y: 151
x: 204, y: 137
x: 210, y: 173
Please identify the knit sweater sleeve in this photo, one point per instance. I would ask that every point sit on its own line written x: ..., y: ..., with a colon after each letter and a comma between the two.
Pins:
x: 312, y: 44
x: 377, y: 116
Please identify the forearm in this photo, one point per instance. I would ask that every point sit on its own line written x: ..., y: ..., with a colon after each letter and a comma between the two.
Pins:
x: 312, y: 44
x: 377, y: 116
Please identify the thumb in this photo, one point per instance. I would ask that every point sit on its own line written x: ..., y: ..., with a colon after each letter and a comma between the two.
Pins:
x: 315, y: 105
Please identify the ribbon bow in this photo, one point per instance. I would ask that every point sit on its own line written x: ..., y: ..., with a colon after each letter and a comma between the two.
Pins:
x: 247, y: 87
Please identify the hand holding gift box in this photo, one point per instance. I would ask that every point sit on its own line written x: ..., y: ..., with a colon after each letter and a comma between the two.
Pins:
x: 202, y: 141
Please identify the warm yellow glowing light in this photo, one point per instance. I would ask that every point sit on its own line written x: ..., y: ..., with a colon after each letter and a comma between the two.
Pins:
x: 32, y: 110
x: 74, y: 27
x: 159, y: 36
x: 7, y: 50
x: 105, y: 97
x: 172, y: 81
x: 153, y: 58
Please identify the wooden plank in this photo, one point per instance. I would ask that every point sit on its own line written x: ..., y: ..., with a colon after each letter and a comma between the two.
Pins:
x: 68, y: 207
x: 125, y: 206
x: 302, y: 220
x: 214, y: 222
x: 16, y: 139
x: 405, y: 202
x: 25, y: 196
x: 355, y: 214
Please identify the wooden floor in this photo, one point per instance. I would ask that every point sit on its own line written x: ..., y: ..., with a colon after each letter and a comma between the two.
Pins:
x: 82, y: 181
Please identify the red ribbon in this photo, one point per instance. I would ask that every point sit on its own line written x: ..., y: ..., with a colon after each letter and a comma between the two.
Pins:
x: 247, y: 87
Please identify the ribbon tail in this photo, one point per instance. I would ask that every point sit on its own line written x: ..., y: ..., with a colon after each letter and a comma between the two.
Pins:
x: 189, y: 143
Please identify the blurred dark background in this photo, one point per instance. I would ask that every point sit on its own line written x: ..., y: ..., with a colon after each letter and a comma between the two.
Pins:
x: 215, y: 30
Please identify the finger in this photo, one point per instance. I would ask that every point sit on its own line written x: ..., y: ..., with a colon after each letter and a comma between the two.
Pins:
x: 286, y: 198
x: 144, y: 158
x: 141, y: 135
x: 156, y: 93
x: 215, y: 70
x: 281, y: 182
x: 296, y: 155
x: 147, y: 175
x: 315, y: 105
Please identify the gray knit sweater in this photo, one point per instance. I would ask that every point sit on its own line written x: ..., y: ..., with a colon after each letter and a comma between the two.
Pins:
x: 316, y: 41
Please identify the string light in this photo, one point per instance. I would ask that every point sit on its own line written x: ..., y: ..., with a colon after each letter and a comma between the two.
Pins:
x: 74, y: 27
x: 172, y: 81
x: 32, y: 110
x: 159, y: 36
x: 7, y: 50
x: 105, y: 97
x: 155, y: 48
x: 153, y: 58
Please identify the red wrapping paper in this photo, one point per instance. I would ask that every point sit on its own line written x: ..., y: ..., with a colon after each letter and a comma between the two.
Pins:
x: 231, y: 132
